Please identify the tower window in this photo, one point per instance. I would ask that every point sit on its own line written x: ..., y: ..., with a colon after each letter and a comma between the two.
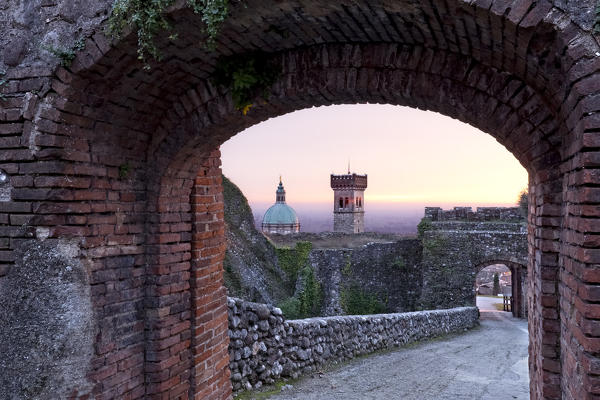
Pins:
x: 341, y: 202
x: 347, y: 201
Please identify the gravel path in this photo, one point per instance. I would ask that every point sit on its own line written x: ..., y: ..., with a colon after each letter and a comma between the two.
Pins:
x: 489, y: 362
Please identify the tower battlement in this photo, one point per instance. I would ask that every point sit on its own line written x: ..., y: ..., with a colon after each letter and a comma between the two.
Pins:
x: 349, y: 181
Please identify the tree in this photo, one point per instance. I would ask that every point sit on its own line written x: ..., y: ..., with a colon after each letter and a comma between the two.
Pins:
x: 496, y: 284
x: 523, y: 202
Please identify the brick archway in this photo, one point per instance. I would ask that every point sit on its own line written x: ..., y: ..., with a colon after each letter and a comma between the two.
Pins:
x: 124, y: 163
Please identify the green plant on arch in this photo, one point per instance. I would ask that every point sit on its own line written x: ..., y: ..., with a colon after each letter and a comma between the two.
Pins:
x: 147, y: 18
x: 66, y: 55
x: 248, y: 76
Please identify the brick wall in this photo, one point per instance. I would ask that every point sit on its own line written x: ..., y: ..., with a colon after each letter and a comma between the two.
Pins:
x: 210, y: 340
x: 104, y: 154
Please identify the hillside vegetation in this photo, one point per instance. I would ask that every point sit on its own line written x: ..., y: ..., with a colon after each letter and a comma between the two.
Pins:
x: 252, y: 271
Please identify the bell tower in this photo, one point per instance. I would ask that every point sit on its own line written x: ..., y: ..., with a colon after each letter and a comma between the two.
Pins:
x: 348, y: 202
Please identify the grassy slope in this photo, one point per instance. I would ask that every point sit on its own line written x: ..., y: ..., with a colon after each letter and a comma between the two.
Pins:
x: 251, y: 268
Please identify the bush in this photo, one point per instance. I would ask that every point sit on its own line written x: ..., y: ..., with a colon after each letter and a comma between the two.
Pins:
x: 356, y: 302
x: 291, y: 308
x: 399, y: 263
x: 307, y: 303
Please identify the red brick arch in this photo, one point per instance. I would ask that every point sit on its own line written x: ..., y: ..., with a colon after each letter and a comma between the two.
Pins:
x: 139, y: 150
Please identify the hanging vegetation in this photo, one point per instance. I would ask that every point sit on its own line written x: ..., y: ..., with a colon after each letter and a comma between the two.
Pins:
x: 147, y: 18
x: 248, y: 76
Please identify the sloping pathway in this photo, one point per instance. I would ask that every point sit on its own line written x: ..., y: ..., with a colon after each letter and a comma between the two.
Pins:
x: 489, y: 362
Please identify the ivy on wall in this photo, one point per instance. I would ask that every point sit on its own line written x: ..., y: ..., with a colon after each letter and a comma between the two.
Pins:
x: 248, y: 76
x: 354, y: 301
x: 147, y: 18
x: 308, y: 300
x: 311, y: 295
x: 436, y: 246
x: 293, y: 260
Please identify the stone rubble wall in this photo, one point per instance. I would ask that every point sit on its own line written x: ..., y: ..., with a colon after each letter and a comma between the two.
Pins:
x: 265, y: 347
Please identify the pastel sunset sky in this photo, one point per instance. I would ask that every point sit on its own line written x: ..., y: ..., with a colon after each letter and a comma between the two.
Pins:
x: 413, y: 158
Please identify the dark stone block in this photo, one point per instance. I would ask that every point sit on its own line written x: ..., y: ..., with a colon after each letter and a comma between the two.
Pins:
x: 46, y: 323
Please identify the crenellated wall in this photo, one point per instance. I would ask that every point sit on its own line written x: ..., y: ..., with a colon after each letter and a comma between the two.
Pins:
x: 511, y: 214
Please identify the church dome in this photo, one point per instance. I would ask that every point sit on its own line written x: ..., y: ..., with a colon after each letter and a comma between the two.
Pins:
x: 280, y: 213
x: 280, y: 218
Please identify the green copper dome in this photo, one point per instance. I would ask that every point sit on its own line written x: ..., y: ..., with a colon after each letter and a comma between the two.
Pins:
x: 280, y: 213
x: 280, y: 218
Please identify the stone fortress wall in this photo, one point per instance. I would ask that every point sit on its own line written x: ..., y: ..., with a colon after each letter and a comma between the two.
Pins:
x: 435, y: 271
x: 265, y: 347
x: 389, y: 271
x: 458, y: 243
